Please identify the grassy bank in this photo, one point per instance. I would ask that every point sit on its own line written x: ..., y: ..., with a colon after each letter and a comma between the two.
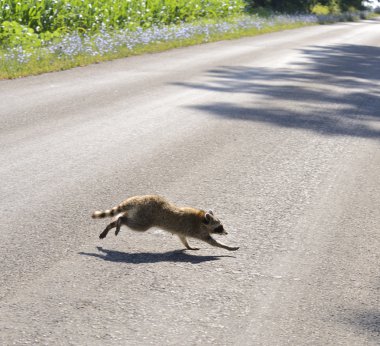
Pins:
x: 32, y: 54
x: 74, y: 49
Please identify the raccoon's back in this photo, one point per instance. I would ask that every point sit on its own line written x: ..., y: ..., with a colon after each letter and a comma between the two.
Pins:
x: 147, y: 206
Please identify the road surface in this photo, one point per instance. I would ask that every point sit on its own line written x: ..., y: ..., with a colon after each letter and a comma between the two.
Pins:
x: 277, y: 134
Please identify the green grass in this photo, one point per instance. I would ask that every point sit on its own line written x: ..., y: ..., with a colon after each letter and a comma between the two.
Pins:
x: 38, y: 36
x: 43, y: 62
x: 28, y: 27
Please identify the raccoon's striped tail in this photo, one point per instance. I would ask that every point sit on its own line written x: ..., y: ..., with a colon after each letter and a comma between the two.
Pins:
x: 107, y: 213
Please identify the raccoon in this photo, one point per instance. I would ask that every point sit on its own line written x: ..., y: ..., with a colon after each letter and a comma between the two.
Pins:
x: 140, y: 213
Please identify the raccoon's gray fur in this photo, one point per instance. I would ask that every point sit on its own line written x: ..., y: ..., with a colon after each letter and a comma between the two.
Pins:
x: 143, y: 212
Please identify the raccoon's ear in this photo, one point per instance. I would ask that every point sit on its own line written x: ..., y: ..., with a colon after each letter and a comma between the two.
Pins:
x: 210, y: 212
x: 207, y: 218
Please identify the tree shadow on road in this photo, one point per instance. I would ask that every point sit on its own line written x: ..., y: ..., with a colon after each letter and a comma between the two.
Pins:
x: 333, y: 90
x: 367, y: 321
x: 150, y: 257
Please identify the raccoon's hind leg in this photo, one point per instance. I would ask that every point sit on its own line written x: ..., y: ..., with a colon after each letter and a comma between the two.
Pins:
x: 108, y: 228
x: 210, y: 240
x: 184, y: 242
x: 122, y: 220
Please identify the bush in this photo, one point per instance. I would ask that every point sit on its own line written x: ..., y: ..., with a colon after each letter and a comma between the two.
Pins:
x: 94, y: 15
x: 320, y: 10
x: 334, y: 7
x: 13, y: 34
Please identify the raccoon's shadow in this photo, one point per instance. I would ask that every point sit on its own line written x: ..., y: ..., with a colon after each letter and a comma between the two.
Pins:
x: 150, y: 257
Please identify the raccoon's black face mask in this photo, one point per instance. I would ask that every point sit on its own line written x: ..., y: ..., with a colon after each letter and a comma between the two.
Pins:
x: 219, y: 230
x: 213, y: 224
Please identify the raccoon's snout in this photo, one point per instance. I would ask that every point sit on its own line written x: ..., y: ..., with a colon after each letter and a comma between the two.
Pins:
x: 220, y: 230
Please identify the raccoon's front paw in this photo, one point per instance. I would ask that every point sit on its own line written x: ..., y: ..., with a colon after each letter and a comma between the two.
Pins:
x: 103, y: 234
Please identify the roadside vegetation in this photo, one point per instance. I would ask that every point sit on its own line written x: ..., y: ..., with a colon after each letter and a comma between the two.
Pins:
x: 47, y: 35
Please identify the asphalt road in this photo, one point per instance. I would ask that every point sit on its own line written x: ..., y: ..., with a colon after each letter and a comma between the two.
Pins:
x: 278, y: 134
